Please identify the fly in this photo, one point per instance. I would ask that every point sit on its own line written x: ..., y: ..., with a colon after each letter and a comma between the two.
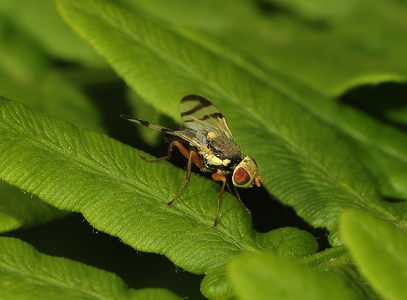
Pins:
x: 207, y: 142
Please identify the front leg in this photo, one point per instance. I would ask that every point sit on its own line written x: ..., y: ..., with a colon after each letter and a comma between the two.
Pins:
x: 219, y: 177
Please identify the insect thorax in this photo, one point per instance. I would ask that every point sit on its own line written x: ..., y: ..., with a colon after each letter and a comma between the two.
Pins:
x: 223, y: 153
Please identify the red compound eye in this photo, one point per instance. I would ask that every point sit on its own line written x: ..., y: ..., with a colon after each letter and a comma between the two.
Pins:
x: 241, y: 177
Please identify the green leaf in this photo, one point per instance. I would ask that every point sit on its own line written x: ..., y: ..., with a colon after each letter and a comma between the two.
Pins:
x: 26, y: 273
x: 18, y: 209
x: 305, y: 163
x: 289, y: 243
x: 379, y: 249
x: 328, y: 45
x: 78, y: 170
x: 355, y: 41
x: 26, y: 74
x: 305, y: 143
x: 336, y: 263
x: 378, y: 145
x: 266, y: 276
x: 215, y: 284
x: 50, y: 33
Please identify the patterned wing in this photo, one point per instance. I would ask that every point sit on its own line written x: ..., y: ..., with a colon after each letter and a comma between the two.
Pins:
x: 201, y: 115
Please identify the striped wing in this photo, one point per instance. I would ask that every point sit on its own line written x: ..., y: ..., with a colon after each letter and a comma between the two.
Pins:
x: 201, y: 115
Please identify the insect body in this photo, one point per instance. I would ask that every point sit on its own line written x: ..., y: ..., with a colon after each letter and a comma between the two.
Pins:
x: 208, y: 143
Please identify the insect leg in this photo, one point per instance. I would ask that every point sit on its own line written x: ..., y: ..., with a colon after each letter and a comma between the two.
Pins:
x: 196, y: 160
x: 191, y: 155
x: 236, y: 192
x: 168, y: 156
x: 190, y: 158
x: 219, y: 177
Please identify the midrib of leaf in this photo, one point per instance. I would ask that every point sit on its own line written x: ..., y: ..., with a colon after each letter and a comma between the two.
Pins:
x: 362, y: 138
x: 357, y: 135
x: 53, y: 147
x: 50, y: 146
x: 391, y: 151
